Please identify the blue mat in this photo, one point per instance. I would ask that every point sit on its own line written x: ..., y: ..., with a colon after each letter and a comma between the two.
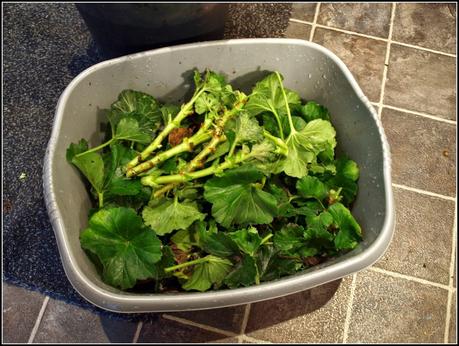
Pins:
x: 39, y: 61
x: 45, y: 47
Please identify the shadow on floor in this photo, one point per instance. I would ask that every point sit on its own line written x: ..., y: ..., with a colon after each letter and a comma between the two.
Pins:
x: 119, y: 331
x: 262, y: 315
x: 80, y: 62
x: 271, y: 312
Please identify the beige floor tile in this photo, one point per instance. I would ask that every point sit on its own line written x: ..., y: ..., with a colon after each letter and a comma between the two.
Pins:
x: 395, y: 310
x: 363, y: 56
x: 366, y: 18
x: 423, y: 151
x: 426, y: 25
x: 421, y: 81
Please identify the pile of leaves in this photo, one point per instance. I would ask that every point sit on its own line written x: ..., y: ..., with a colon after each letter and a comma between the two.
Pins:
x: 223, y: 191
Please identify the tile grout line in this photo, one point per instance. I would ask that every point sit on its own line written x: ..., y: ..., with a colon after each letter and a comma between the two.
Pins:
x: 409, y: 278
x: 301, y: 21
x: 451, y: 274
x: 423, y: 192
x: 344, y: 31
x: 199, y: 325
x: 137, y: 332
x: 425, y: 49
x: 371, y: 37
x: 314, y: 23
x: 38, y: 320
x: 245, y: 319
x: 254, y: 340
x: 347, y: 320
x: 386, y: 59
x: 425, y: 115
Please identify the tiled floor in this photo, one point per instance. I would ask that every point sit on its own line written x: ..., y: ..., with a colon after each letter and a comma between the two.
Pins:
x: 403, y: 56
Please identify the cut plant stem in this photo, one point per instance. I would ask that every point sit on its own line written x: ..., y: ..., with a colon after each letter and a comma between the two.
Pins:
x: 186, y: 264
x: 283, y: 149
x: 96, y: 148
x: 175, y: 179
x: 100, y: 196
x: 185, y: 111
x: 279, y: 124
x: 195, y: 163
x: 203, y: 135
x: 218, y: 137
x: 230, y: 162
x: 292, y: 128
x: 265, y: 239
x: 210, y: 148
x: 164, y: 189
x: 188, y: 144
x: 184, y: 177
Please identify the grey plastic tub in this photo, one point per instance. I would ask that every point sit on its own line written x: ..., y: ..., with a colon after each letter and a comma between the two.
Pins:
x: 308, y: 68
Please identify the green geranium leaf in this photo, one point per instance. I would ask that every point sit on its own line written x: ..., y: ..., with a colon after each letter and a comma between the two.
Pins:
x: 236, y: 199
x: 267, y: 96
x: 311, y: 187
x: 246, y: 128
x: 116, y: 183
x: 244, y: 274
x: 182, y: 239
x: 298, y: 124
x: 135, y: 116
x: 167, y: 260
x: 208, y: 273
x: 349, y: 233
x: 131, y: 101
x: 207, y: 103
x: 216, y: 243
x: 318, y: 135
x: 168, y: 112
x: 279, y: 267
x: 248, y: 240
x: 312, y: 110
x: 128, y: 129
x: 289, y: 238
x: 304, y: 146
x: 316, y: 235
x: 121, y: 186
x: 138, y: 106
x: 91, y: 165
x: 217, y: 93
x: 166, y: 216
x: 347, y: 174
x: 296, y: 162
x: 75, y: 149
x: 126, y: 248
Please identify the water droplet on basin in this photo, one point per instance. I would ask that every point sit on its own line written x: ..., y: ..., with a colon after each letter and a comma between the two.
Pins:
x: 324, y: 76
x: 309, y: 76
